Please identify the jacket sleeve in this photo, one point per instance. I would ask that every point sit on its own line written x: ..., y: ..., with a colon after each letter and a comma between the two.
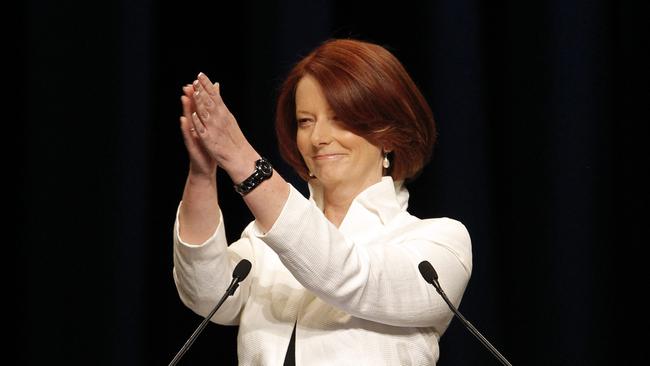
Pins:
x: 379, y: 282
x: 202, y: 273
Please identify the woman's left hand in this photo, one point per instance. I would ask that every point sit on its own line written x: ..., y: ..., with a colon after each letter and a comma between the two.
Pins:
x: 219, y: 131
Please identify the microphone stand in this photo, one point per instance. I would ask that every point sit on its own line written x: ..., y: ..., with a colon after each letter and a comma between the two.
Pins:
x: 471, y: 328
x: 229, y: 292
x: 429, y: 274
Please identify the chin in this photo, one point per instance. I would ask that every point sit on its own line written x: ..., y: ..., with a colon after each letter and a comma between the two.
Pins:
x: 328, y: 178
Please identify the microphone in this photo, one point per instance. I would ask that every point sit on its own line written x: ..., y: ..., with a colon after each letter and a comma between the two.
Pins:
x: 238, y: 274
x: 430, y: 275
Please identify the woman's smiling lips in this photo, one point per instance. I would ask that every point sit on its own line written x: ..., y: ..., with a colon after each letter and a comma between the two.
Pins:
x: 326, y: 156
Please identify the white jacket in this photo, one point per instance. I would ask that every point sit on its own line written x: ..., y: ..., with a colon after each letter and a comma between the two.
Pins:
x: 355, y: 291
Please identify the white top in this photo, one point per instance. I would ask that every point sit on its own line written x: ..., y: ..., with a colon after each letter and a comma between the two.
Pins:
x: 355, y: 291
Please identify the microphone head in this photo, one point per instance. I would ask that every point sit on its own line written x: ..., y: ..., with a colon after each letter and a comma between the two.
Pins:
x: 241, y: 270
x: 427, y: 271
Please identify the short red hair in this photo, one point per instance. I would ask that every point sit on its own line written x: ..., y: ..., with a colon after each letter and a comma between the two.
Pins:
x: 371, y: 94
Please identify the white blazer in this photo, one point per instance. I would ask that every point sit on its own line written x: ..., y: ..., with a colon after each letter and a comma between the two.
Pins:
x: 355, y: 292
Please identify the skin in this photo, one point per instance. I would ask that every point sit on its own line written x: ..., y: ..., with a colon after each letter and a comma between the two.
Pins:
x: 214, y: 140
x: 343, y: 163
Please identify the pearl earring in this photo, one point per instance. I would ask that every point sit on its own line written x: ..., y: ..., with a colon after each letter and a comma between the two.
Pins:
x: 386, y: 162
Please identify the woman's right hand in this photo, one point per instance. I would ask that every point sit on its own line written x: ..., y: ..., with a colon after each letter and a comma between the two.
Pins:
x: 201, y: 163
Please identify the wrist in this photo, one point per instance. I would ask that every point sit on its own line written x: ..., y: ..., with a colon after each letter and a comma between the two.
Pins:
x: 201, y: 171
x: 241, y: 168
x: 202, y: 179
x: 262, y: 171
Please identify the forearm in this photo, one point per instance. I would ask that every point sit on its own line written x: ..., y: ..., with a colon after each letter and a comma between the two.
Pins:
x: 266, y: 200
x: 220, y: 136
x: 199, y: 212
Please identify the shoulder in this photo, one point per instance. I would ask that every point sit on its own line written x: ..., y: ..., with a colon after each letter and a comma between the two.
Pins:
x: 437, y: 227
x: 442, y: 231
x: 447, y: 228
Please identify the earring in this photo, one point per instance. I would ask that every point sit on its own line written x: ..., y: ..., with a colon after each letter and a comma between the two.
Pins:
x: 386, y: 162
x: 311, y: 175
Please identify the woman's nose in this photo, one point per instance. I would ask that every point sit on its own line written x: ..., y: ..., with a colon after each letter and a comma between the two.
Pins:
x: 322, y: 132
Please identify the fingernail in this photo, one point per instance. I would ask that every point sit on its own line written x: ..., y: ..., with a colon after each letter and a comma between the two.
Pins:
x: 201, y: 74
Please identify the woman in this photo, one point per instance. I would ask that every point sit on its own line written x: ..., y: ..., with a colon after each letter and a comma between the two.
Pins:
x: 338, y: 271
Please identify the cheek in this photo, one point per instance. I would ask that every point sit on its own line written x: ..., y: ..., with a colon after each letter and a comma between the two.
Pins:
x: 302, y: 144
x: 372, y: 155
x: 365, y: 150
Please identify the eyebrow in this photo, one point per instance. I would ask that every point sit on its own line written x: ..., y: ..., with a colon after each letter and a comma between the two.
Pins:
x: 306, y: 112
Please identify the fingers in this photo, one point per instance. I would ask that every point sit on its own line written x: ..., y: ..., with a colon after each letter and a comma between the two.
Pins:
x: 187, y: 106
x: 188, y: 132
x: 187, y: 101
x: 206, y: 119
x: 187, y: 116
x: 197, y: 124
x: 208, y: 86
x: 207, y: 101
x: 198, y: 105
x: 194, y: 134
x: 188, y: 90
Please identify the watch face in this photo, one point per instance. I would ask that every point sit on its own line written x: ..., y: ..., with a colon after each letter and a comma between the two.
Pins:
x: 263, y: 171
x: 265, y: 167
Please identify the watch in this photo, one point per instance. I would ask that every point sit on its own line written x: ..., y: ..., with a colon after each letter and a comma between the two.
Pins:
x: 263, y: 171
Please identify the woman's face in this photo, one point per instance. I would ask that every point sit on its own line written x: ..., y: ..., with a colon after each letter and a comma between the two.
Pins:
x: 334, y: 155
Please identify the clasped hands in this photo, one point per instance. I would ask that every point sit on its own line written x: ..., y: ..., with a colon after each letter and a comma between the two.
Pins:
x: 211, y: 133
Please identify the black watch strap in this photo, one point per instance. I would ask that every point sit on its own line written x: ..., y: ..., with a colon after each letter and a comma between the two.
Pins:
x: 263, y: 171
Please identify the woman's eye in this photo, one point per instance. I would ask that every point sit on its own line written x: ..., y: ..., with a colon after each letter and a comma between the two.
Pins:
x: 302, y: 121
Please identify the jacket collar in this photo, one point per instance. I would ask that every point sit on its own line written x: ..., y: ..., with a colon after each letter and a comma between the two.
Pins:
x: 384, y: 199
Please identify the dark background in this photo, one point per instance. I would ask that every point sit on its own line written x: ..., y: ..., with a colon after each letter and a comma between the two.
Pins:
x: 542, y: 110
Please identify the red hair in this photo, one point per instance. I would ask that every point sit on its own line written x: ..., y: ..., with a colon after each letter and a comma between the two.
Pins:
x: 371, y: 94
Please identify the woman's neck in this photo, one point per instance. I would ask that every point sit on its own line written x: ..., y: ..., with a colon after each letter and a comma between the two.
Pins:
x: 335, y: 211
x: 337, y: 201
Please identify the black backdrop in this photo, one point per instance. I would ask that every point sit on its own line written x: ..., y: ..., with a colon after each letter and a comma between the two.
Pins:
x: 542, y: 109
